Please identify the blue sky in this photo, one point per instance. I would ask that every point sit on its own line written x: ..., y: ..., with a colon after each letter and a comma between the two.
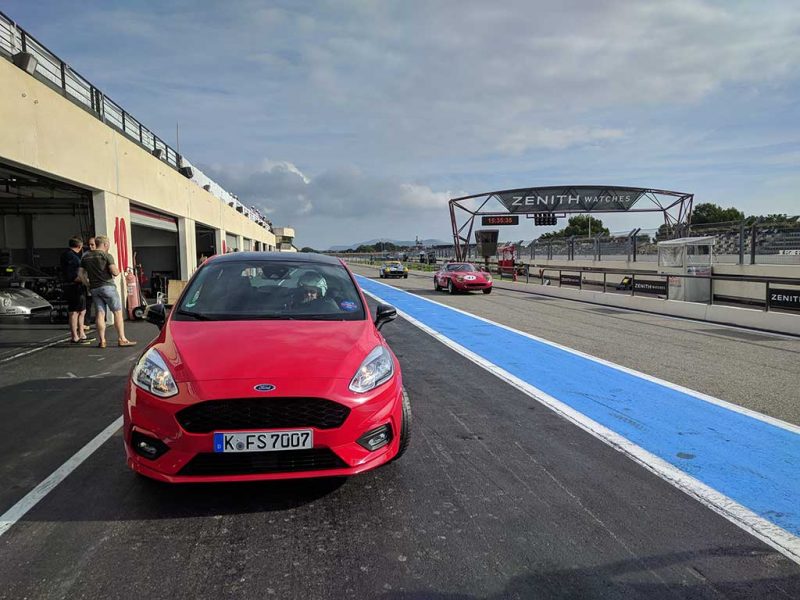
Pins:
x: 358, y: 120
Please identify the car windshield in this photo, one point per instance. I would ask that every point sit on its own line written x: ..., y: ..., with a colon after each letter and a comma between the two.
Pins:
x: 460, y: 267
x: 261, y: 289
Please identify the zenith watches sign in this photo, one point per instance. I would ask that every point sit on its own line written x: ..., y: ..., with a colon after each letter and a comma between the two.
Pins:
x: 570, y: 199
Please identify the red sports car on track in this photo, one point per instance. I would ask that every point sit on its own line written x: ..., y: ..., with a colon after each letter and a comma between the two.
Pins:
x: 267, y: 367
x: 462, y: 277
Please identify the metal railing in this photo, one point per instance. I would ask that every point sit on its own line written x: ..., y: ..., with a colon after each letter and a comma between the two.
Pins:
x: 741, y: 242
x: 653, y: 283
x: 51, y: 70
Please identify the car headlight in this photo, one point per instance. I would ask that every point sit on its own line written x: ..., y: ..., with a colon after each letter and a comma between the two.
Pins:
x: 377, y: 368
x: 459, y: 278
x: 152, y: 374
x: 5, y: 300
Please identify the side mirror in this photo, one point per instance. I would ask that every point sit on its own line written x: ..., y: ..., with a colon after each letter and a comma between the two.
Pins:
x: 385, y: 313
x: 156, y: 314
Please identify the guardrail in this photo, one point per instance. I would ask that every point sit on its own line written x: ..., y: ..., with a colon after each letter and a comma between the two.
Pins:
x: 653, y: 283
x: 643, y: 283
x: 17, y: 45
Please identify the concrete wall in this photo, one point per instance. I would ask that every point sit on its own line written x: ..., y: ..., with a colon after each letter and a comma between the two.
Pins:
x: 42, y: 131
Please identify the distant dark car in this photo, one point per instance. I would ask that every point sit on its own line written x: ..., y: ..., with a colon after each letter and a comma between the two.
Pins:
x: 427, y: 257
x: 393, y: 269
x: 462, y: 277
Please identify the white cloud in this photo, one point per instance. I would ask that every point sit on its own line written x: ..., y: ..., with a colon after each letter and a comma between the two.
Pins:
x: 556, y: 139
x: 338, y: 195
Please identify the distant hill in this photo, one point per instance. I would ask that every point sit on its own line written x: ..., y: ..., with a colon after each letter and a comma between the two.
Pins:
x: 401, y: 243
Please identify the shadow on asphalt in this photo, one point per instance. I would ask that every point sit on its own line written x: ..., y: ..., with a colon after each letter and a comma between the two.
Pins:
x: 150, y: 499
x: 118, y: 494
x: 622, y: 579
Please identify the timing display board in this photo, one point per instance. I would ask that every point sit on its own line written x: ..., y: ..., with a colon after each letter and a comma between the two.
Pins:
x: 500, y: 220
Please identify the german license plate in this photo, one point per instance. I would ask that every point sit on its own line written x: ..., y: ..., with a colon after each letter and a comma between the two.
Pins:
x: 264, y: 441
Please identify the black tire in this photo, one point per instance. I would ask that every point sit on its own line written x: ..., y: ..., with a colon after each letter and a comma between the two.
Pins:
x: 405, y: 427
x: 487, y: 291
x: 450, y: 287
x: 138, y: 313
x: 436, y: 287
x: 405, y: 276
x: 380, y: 275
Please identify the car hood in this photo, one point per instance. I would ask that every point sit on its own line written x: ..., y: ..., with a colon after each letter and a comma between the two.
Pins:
x: 21, y: 298
x: 214, y: 350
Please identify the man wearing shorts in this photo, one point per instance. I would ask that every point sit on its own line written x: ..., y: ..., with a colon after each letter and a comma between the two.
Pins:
x: 98, y: 266
x: 74, y: 290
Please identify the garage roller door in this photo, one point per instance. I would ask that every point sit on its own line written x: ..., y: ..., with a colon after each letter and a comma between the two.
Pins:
x: 148, y: 218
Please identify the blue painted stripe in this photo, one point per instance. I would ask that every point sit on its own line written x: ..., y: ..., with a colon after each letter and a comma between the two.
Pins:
x: 751, y: 461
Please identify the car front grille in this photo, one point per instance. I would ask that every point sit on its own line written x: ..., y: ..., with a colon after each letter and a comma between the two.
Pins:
x: 262, y: 413
x: 258, y: 463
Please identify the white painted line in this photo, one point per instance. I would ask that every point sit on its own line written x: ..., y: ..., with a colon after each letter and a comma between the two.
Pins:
x: 32, y: 350
x: 16, y: 512
x: 769, y: 533
x: 699, y: 395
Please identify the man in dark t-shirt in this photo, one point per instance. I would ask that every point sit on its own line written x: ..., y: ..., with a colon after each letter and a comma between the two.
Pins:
x: 100, y: 269
x: 74, y: 290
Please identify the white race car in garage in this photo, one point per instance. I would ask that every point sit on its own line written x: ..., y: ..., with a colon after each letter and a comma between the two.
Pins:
x: 18, y: 301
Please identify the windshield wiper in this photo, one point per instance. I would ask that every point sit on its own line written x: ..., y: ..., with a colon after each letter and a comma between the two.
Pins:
x: 195, y: 315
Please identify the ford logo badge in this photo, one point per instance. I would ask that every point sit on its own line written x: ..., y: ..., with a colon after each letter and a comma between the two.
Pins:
x: 264, y: 387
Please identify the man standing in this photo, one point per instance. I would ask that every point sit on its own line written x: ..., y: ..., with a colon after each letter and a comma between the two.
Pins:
x: 74, y: 290
x: 98, y: 266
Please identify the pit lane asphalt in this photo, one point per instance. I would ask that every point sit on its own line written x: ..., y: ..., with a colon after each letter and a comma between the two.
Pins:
x: 497, y: 497
x: 757, y: 370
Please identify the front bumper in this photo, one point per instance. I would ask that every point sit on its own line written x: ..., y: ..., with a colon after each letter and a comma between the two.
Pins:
x: 156, y: 417
x: 468, y: 286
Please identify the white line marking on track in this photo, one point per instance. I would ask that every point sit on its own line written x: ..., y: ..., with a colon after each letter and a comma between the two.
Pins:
x: 16, y: 512
x: 32, y: 350
x: 769, y: 533
x: 700, y: 395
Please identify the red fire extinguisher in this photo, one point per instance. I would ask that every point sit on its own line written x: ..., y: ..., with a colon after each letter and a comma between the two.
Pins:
x: 133, y: 292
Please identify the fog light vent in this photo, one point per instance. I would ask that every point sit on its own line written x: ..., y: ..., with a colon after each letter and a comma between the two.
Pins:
x: 148, y: 447
x: 377, y: 438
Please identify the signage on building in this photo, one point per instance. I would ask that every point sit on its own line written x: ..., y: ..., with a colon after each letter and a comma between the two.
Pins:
x: 500, y: 220
x: 570, y: 199
x: 784, y: 298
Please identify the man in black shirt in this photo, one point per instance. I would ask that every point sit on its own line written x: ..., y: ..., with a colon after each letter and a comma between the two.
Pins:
x: 74, y: 290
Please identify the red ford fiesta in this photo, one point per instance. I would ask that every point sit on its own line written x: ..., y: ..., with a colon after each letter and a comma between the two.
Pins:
x: 269, y: 366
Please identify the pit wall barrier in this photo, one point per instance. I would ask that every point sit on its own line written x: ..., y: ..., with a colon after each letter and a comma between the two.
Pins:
x: 755, y: 318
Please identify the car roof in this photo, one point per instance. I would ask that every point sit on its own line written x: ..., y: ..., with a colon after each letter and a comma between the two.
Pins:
x: 306, y: 257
